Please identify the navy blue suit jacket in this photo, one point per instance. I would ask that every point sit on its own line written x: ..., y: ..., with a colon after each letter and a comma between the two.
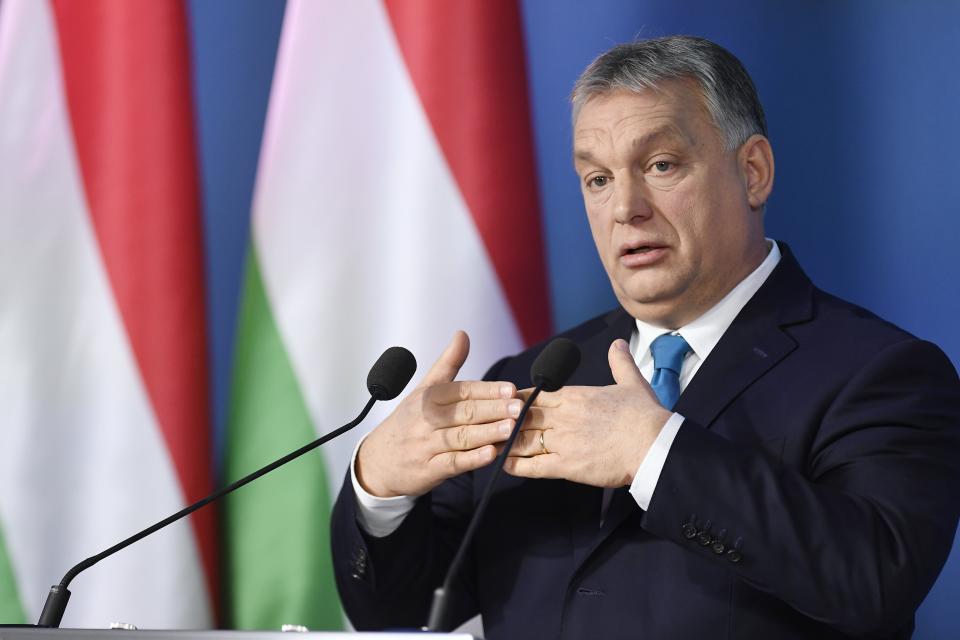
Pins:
x: 812, y: 491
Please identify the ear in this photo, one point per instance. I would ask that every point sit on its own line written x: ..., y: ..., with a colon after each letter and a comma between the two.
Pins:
x: 756, y: 165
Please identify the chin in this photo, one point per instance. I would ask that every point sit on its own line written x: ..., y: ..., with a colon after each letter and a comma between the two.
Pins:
x: 646, y: 296
x: 659, y: 307
x: 651, y: 311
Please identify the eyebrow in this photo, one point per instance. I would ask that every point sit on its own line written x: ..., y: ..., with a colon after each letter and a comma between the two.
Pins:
x: 666, y: 131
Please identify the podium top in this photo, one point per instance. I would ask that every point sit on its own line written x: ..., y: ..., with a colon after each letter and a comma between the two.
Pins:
x: 27, y: 633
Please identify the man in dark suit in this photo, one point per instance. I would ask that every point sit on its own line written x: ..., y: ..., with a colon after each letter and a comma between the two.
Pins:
x: 739, y: 452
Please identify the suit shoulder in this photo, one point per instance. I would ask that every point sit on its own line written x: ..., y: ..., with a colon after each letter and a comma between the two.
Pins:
x: 848, y: 316
x: 860, y: 334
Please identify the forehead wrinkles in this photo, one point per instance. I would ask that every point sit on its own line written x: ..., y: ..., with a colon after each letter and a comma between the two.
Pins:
x: 671, y: 111
x: 631, y: 134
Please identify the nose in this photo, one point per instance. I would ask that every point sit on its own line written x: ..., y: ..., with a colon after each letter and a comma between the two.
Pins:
x: 632, y: 202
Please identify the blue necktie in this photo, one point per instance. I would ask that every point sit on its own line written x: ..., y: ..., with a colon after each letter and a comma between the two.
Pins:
x: 668, y: 353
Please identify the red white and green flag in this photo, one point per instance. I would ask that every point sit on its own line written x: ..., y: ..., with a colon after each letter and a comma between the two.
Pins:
x: 103, y: 380
x: 396, y: 201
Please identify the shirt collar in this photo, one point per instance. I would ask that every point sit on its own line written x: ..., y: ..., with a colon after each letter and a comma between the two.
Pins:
x: 705, y: 332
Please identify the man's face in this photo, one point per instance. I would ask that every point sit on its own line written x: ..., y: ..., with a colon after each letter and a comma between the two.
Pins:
x: 668, y: 207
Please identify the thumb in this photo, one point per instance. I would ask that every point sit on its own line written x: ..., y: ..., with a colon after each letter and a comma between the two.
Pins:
x: 447, y: 366
x: 623, y: 366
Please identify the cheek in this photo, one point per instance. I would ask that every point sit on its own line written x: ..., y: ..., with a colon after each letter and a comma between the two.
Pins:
x: 713, y: 236
x: 681, y: 212
x: 597, y: 204
x: 601, y: 224
x: 694, y: 209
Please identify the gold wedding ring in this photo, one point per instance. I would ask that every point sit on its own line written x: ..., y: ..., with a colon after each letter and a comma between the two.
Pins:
x: 543, y: 447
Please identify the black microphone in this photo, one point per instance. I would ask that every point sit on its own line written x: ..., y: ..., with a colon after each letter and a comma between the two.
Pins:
x: 387, y: 378
x: 391, y: 373
x: 555, y: 364
x: 549, y: 372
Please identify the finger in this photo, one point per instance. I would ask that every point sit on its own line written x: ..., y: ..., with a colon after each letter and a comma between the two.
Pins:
x: 536, y: 418
x: 528, y: 443
x: 453, y: 463
x: 622, y: 365
x: 447, y: 366
x: 545, y: 398
x: 472, y: 412
x: 470, y: 390
x: 473, y: 436
x: 545, y: 466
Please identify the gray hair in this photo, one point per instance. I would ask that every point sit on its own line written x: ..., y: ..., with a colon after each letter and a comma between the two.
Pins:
x: 729, y: 93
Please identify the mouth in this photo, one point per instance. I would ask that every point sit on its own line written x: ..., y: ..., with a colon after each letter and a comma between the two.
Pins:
x: 638, y: 255
x: 639, y: 249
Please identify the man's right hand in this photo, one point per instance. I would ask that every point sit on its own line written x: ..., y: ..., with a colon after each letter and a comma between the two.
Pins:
x: 442, y: 429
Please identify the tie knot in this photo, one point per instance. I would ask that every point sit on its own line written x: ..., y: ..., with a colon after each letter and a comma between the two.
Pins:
x: 669, y: 351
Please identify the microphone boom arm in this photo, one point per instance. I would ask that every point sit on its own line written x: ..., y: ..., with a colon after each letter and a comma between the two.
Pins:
x: 439, y: 606
x: 549, y: 372
x: 59, y: 594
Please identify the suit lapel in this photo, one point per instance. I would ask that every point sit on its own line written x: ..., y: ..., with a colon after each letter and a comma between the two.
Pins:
x: 594, y: 366
x: 754, y: 343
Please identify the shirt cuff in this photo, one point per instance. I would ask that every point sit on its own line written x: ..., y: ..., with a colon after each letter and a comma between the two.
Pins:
x: 645, y: 482
x: 378, y: 517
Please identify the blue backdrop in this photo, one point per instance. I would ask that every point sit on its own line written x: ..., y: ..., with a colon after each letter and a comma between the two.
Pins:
x: 863, y: 104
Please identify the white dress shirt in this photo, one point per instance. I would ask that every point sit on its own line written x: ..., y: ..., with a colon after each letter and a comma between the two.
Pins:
x: 381, y: 516
x: 702, y: 335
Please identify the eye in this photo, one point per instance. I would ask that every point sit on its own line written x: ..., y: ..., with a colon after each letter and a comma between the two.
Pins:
x: 662, y: 166
x: 597, y: 182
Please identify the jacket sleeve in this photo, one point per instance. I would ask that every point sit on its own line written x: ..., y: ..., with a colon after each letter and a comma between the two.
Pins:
x: 389, y: 582
x: 856, y: 539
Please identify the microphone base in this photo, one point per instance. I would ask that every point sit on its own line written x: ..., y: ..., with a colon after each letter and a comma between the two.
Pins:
x: 54, y: 607
x: 438, y: 610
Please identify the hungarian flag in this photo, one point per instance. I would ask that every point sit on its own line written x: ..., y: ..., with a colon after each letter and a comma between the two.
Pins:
x: 103, y: 379
x: 396, y: 202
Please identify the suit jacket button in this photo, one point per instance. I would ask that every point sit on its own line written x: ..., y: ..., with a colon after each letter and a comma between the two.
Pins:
x: 689, y: 531
x: 703, y: 538
x: 735, y: 555
x: 359, y: 564
x: 717, y: 545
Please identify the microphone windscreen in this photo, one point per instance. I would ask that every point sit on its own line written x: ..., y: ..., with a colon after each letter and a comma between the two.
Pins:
x: 555, y: 364
x: 391, y: 373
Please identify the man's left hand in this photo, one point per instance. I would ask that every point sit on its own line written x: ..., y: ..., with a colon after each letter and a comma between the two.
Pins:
x: 591, y: 435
